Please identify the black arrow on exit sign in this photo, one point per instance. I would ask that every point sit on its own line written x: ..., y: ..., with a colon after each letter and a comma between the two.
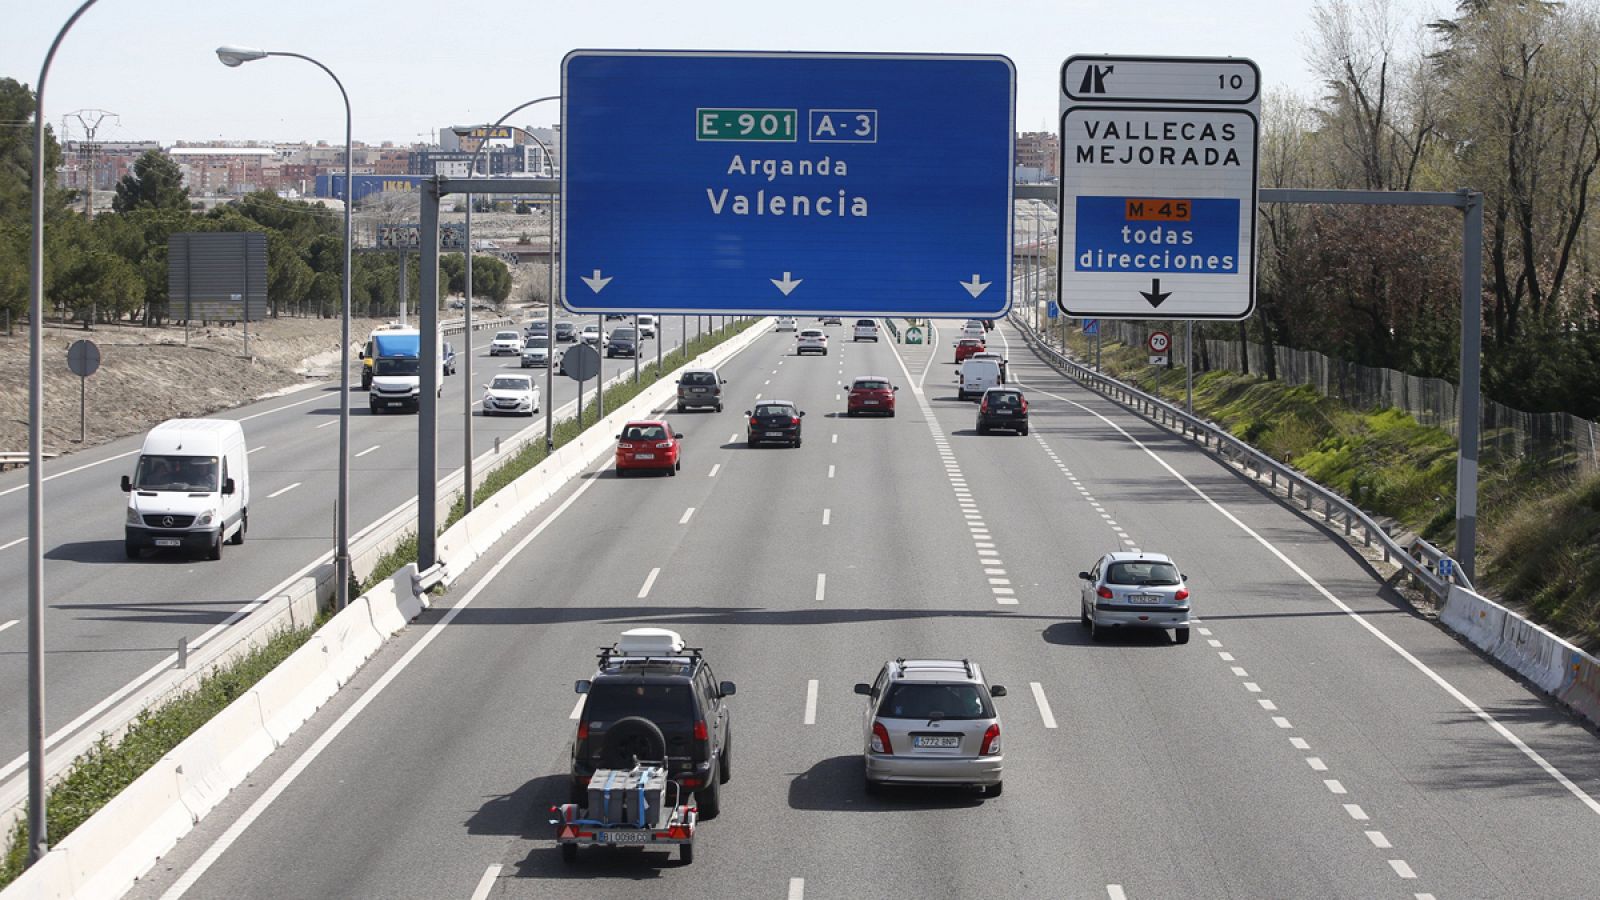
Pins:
x: 1155, y: 295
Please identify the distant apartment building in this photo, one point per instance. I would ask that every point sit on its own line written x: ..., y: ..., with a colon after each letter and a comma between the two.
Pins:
x: 99, y: 165
x: 1038, y: 156
x: 228, y: 171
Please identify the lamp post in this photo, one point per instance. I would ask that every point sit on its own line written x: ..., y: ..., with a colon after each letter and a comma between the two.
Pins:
x: 236, y: 56
x: 550, y: 308
x: 38, y: 841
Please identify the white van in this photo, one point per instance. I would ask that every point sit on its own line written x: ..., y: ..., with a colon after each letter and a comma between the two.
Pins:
x: 977, y: 376
x: 190, y: 488
x: 647, y: 325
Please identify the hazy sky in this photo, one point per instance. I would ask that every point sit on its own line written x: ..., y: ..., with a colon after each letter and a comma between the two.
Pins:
x: 411, y: 67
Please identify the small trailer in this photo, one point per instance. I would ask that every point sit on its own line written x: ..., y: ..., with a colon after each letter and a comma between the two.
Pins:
x: 628, y: 808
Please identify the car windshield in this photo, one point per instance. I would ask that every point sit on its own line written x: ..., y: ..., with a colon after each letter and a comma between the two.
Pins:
x: 612, y: 699
x: 1004, y: 399
x: 811, y: 334
x: 871, y: 385
x: 644, y: 433
x: 539, y: 326
x: 772, y: 409
x: 1143, y: 573
x: 624, y: 333
x: 913, y: 700
x: 971, y: 342
x: 176, y: 473
x: 537, y: 342
x: 699, y: 378
x: 509, y: 383
x: 506, y: 336
x: 563, y: 326
x: 406, y: 365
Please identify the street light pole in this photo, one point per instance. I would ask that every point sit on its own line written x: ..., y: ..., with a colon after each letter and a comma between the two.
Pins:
x: 38, y: 837
x: 236, y: 56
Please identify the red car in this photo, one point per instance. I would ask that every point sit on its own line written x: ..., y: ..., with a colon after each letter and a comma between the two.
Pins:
x: 870, y: 394
x: 968, y: 346
x: 649, y: 444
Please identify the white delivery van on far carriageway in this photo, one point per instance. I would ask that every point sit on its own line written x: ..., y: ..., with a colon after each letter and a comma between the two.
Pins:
x: 190, y: 489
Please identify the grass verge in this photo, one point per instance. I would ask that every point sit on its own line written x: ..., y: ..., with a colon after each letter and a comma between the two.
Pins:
x: 1538, y: 526
x: 107, y: 768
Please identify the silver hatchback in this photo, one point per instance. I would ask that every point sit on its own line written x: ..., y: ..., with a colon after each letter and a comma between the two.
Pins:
x: 930, y: 721
x: 1130, y: 589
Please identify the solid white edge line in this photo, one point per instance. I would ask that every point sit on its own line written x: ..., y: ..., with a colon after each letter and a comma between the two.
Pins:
x: 20, y: 540
x: 1450, y: 689
x: 1044, y: 705
x: 811, y: 702
x: 797, y: 889
x: 233, y: 832
x: 486, y: 883
x: 368, y: 450
x: 279, y: 492
x: 649, y: 580
x: 326, y: 424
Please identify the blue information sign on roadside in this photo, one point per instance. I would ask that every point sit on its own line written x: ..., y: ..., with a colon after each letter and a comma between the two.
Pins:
x: 787, y: 183
x: 1055, y: 309
x: 1091, y: 326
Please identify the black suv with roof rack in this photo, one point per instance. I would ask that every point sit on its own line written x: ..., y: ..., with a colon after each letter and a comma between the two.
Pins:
x: 653, y: 699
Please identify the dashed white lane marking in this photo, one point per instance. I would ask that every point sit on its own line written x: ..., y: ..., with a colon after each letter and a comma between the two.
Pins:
x: 1316, y: 764
x: 1422, y: 897
x: 329, y: 422
x: 714, y: 470
x: 1044, y: 704
x: 368, y: 450
x: 825, y: 515
x: 1334, y: 786
x: 1378, y: 840
x: 1226, y: 656
x: 1299, y: 743
x: 1214, y: 643
x: 1239, y: 671
x: 822, y: 586
x: 768, y: 381
x: 830, y: 471
x: 1356, y: 812
x: 1268, y: 705
x: 838, y: 397
x: 279, y: 492
x: 999, y: 581
x: 254, y: 449
x: 13, y: 543
x: 1400, y: 868
x: 1252, y: 687
x: 8, y: 624
x: 994, y: 571
x: 649, y: 580
x: 835, y: 439
x: 486, y: 883
x: 1283, y: 723
x: 797, y: 889
x: 733, y: 437
x: 758, y: 396
x: 811, y: 702
x: 1114, y: 892
x: 1204, y: 632
x: 686, y: 514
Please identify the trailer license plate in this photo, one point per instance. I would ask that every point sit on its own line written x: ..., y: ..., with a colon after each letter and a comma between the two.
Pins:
x: 624, y: 837
x: 168, y: 542
x: 945, y: 741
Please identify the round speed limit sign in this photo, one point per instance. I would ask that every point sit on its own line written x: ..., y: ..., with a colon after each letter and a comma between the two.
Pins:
x: 1159, y: 341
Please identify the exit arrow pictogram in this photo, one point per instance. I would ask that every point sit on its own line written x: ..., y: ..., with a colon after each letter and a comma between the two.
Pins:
x: 1155, y: 295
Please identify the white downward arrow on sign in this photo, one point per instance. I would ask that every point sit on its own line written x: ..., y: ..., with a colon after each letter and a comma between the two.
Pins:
x: 974, y: 287
x: 788, y: 284
x: 598, y: 284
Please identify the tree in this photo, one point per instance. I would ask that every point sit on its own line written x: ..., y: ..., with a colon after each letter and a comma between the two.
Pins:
x: 155, y: 183
x: 17, y: 104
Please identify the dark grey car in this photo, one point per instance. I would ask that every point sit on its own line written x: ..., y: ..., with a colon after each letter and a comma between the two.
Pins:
x: 700, y: 388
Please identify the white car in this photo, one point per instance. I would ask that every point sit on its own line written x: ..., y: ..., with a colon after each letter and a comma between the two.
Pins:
x: 973, y: 328
x: 787, y: 323
x: 511, y: 394
x: 811, y: 340
x: 865, y: 330
x: 506, y: 342
x: 536, y: 351
x: 647, y: 326
x: 591, y: 334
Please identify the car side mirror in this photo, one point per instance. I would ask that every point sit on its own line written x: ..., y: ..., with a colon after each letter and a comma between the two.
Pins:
x: 864, y: 689
x: 1084, y: 575
x: 802, y: 414
x: 998, y: 690
x: 727, y: 689
x: 361, y: 354
x: 724, y: 381
x: 127, y: 484
x: 677, y: 436
x: 897, y: 387
x: 227, y: 486
x: 582, y: 686
x: 619, y: 437
x: 747, y: 412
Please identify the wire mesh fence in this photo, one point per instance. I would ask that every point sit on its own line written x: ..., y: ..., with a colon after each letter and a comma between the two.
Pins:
x: 1555, y: 439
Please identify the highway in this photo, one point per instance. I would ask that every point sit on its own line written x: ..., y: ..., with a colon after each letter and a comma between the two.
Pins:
x: 1316, y: 739
x: 110, y: 620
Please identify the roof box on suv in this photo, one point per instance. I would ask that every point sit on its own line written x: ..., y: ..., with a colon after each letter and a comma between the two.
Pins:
x: 650, y: 642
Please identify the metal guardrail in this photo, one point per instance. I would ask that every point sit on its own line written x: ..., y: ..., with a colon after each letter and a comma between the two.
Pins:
x: 1428, y: 566
x: 889, y: 324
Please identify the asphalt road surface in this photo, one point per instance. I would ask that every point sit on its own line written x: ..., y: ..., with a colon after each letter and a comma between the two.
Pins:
x: 1316, y: 739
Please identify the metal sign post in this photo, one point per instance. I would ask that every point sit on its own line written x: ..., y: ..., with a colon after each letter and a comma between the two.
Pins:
x: 83, y: 359
x: 787, y: 183
x: 1158, y: 187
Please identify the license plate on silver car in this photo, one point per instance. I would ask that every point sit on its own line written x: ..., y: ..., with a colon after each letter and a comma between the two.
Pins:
x: 1144, y: 598
x: 623, y: 837
x: 947, y: 742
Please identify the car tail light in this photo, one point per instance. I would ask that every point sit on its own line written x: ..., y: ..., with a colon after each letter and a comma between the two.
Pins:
x: 880, y: 739
x: 663, y: 445
x: 794, y: 420
x: 624, y: 446
x: 754, y: 421
x: 1182, y: 594
x: 991, y: 741
x: 690, y: 782
x: 984, y: 406
x: 1104, y: 593
x: 700, y: 732
x: 1024, y: 404
x: 583, y: 731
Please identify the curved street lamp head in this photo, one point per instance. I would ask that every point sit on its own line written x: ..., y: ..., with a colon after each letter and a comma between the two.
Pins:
x: 238, y: 56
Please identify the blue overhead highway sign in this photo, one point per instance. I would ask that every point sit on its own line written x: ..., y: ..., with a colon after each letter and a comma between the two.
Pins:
x: 787, y: 183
